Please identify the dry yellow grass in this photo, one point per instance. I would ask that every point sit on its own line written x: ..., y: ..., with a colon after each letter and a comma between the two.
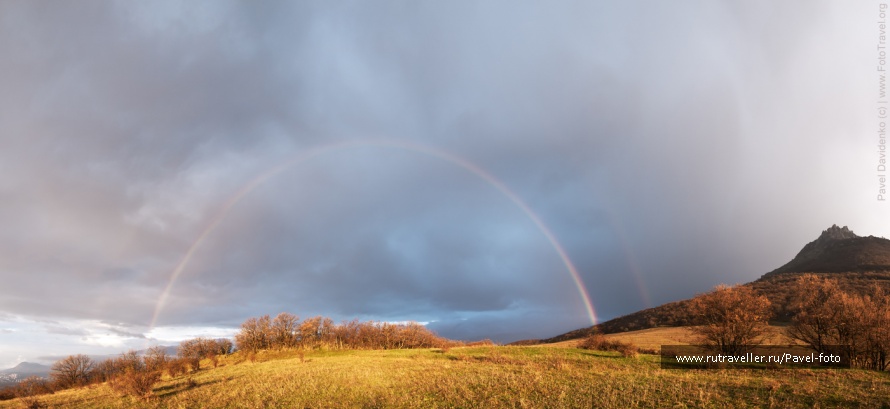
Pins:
x: 485, y: 377
x: 653, y: 338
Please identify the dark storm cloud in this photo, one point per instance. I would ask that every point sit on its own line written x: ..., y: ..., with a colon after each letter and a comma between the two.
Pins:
x: 668, y: 148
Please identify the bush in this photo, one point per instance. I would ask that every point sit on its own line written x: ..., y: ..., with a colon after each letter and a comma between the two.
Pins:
x: 32, y: 402
x: 136, y: 383
x: 628, y: 350
x: 32, y: 386
x: 598, y: 342
x: 176, y: 367
x: 28, y: 390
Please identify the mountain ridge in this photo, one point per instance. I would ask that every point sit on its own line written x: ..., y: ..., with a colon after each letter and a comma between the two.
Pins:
x: 838, y: 249
x: 838, y: 252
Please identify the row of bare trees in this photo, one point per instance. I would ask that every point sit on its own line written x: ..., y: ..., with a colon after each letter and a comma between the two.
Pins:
x: 826, y: 317
x: 731, y: 319
x: 286, y: 331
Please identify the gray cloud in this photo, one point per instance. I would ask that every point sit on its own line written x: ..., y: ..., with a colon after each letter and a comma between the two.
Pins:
x: 60, y: 330
x: 667, y: 147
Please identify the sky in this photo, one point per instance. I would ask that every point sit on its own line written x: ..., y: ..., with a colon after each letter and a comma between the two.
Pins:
x: 170, y: 169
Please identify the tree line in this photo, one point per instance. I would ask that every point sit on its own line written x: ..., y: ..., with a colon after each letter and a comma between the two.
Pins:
x: 824, y: 317
x: 286, y: 331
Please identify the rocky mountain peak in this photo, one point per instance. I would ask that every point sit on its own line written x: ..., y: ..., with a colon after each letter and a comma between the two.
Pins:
x: 838, y: 249
x: 837, y: 233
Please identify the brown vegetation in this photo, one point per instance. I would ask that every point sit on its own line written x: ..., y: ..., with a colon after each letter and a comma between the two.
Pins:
x: 287, y: 332
x: 74, y: 370
x: 194, y: 350
x: 730, y: 319
x: 131, y: 375
x: 29, y: 389
x: 825, y: 316
x: 599, y: 342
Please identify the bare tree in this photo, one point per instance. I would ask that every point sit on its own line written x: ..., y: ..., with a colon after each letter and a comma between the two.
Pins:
x: 255, y: 334
x: 877, y: 337
x: 826, y: 317
x: 224, y: 346
x: 129, y: 361
x: 813, y: 303
x: 285, y: 330
x: 155, y: 358
x: 103, y: 371
x: 72, y: 371
x: 310, y: 334
x: 730, y: 318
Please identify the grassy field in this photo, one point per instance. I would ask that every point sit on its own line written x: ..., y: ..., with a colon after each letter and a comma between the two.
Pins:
x: 485, y: 377
x: 654, y: 338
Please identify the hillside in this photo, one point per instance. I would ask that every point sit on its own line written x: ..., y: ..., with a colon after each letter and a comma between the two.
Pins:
x: 839, y: 250
x: 857, y: 262
x: 487, y: 377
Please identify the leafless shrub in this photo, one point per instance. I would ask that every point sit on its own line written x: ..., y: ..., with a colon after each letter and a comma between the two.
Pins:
x: 29, y: 388
x: 177, y: 367
x: 628, y: 350
x: 31, y: 402
x: 156, y: 358
x: 598, y: 342
x: 138, y: 383
x: 32, y: 386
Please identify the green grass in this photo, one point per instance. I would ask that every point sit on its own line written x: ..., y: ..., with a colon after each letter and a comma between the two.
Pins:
x: 484, y: 377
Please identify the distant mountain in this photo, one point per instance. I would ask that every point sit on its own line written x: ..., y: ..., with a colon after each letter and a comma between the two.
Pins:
x: 22, y: 371
x: 857, y: 262
x: 839, y: 250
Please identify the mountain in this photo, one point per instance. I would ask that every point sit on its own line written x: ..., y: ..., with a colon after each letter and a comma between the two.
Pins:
x: 857, y: 262
x: 22, y: 371
x: 839, y: 250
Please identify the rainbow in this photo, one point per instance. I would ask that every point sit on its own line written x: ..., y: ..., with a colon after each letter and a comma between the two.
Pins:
x: 412, y: 147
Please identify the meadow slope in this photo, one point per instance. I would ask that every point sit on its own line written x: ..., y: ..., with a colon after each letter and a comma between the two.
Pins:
x: 484, y: 377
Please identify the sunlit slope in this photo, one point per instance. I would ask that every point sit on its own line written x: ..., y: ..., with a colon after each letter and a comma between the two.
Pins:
x: 488, y: 377
x: 652, y: 339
